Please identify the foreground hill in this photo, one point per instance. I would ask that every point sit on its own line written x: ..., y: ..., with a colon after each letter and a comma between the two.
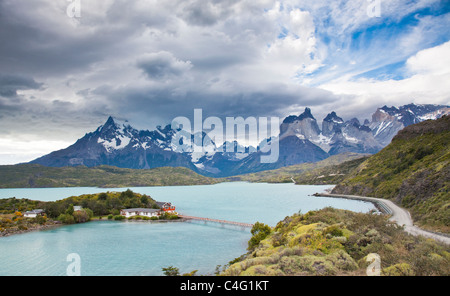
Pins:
x: 413, y: 171
x: 38, y: 176
x: 338, y: 242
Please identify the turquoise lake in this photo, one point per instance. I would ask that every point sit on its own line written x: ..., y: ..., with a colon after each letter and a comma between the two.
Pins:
x: 112, y: 248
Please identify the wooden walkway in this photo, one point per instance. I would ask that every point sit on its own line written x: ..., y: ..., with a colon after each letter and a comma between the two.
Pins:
x: 216, y: 220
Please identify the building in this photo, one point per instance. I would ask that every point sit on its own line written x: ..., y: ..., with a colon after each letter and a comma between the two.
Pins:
x: 140, y: 212
x: 77, y: 208
x: 166, y: 206
x: 34, y: 213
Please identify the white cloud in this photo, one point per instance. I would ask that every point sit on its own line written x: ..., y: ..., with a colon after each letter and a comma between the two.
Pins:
x: 428, y: 83
x: 432, y: 61
x: 14, y: 151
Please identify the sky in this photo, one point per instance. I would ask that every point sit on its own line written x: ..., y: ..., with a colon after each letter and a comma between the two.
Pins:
x: 67, y: 65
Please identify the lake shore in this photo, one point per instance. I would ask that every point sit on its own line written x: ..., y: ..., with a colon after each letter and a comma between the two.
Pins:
x: 15, y: 231
x: 54, y: 224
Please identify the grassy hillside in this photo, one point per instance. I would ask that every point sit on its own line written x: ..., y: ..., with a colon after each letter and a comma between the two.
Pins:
x: 304, y: 173
x: 332, y: 174
x: 37, y: 176
x: 413, y: 171
x: 338, y: 242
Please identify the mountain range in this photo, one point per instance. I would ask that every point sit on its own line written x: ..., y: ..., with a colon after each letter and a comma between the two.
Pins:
x: 301, y: 140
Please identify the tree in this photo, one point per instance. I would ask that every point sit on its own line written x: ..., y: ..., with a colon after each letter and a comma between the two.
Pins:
x: 259, y: 231
x: 69, y: 210
x: 171, y: 271
x: 102, y: 196
x: 144, y: 199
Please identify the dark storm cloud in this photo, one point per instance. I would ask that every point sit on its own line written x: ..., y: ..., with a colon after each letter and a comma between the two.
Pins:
x: 151, y: 106
x: 206, y: 13
x: 162, y: 65
x: 38, y: 36
x: 10, y: 84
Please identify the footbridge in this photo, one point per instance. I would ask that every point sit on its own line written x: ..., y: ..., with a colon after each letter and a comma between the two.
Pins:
x: 216, y: 221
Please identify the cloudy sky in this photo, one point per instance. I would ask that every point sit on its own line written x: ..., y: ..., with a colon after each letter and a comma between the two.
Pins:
x: 150, y: 61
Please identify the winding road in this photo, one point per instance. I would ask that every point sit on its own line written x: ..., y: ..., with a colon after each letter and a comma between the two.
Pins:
x: 399, y: 215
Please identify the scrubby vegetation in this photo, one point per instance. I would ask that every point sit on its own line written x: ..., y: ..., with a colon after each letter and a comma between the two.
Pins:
x: 11, y: 205
x: 328, y: 171
x: 328, y: 175
x: 17, y: 223
x: 413, y: 171
x: 101, y: 204
x: 338, y: 242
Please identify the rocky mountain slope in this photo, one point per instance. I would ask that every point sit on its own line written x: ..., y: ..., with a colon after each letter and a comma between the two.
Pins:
x: 300, y: 141
x: 413, y: 171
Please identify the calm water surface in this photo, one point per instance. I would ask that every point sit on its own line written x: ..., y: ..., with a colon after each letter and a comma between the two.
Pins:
x: 143, y: 248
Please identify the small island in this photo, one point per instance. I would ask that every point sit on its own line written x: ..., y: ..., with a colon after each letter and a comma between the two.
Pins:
x: 24, y: 215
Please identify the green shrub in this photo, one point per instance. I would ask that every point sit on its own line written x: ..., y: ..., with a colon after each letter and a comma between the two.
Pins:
x: 333, y: 230
x: 401, y: 269
x: 119, y: 217
x: 81, y: 216
x: 66, y: 219
x: 259, y: 231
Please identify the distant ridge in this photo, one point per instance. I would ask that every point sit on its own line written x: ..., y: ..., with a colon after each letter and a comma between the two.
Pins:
x: 38, y: 176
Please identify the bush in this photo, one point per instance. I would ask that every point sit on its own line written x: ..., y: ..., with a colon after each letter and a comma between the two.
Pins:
x: 259, y: 231
x: 401, y: 269
x: 40, y: 219
x: 171, y: 271
x: 119, y: 217
x: 333, y: 230
x: 22, y: 227
x: 66, y: 219
x: 81, y: 216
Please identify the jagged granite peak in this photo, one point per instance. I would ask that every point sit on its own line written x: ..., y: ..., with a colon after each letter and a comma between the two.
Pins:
x: 306, y: 114
x: 114, y: 123
x: 331, y: 124
x: 388, y: 121
x: 303, y: 126
x: 109, y: 122
x: 332, y: 117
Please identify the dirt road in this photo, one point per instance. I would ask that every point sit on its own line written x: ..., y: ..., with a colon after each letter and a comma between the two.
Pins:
x: 400, y: 215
